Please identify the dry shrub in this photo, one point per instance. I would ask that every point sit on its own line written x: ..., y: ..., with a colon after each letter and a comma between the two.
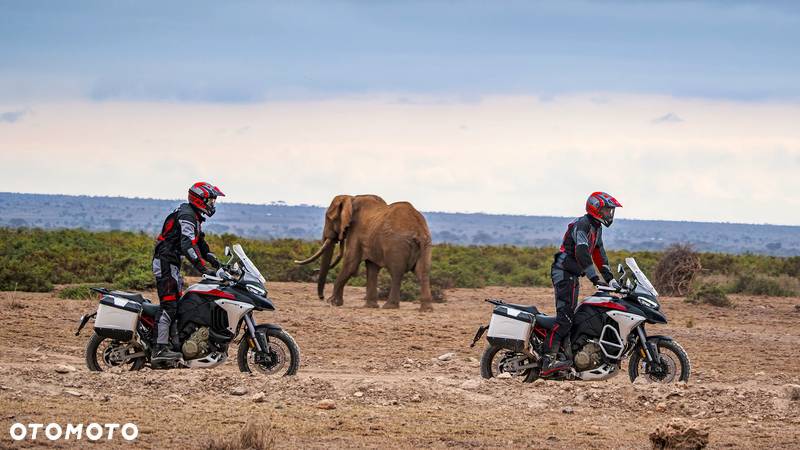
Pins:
x: 256, y: 434
x: 676, y: 269
x: 679, y: 434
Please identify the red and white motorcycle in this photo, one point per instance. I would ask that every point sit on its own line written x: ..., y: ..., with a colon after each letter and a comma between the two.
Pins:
x: 608, y: 327
x: 210, y: 316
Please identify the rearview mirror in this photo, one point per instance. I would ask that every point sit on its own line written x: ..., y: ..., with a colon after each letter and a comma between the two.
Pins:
x: 228, y: 252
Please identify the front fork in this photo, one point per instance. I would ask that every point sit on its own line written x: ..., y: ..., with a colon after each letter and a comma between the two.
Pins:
x: 649, y: 350
x: 258, y: 338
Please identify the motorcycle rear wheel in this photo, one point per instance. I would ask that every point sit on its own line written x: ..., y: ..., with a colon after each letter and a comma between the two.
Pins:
x: 671, y: 354
x: 283, y: 348
x: 491, y: 365
x: 102, y: 347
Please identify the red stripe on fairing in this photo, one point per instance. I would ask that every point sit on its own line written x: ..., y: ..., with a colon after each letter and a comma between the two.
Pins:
x: 215, y: 293
x: 609, y: 305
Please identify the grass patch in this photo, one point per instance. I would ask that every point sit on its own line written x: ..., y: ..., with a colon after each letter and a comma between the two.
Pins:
x: 34, y: 260
x: 78, y: 292
x: 756, y: 284
x: 709, y: 293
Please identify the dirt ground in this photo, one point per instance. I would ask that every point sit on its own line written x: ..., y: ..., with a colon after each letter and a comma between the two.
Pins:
x: 381, y: 369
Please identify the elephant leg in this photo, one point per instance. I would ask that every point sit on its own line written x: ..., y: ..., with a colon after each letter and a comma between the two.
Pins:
x: 422, y: 271
x: 372, y: 284
x: 349, y: 269
x: 394, y: 293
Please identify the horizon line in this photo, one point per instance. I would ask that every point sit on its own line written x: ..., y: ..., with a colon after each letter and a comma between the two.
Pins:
x: 284, y: 204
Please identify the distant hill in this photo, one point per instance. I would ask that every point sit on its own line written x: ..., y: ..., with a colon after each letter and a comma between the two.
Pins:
x: 279, y: 220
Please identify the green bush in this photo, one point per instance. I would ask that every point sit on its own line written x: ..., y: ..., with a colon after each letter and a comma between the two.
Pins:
x: 763, y: 285
x: 78, y: 292
x: 35, y: 260
x: 709, y: 293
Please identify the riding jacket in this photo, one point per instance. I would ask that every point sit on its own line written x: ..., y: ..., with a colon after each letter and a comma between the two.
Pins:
x: 181, y: 235
x: 582, y: 249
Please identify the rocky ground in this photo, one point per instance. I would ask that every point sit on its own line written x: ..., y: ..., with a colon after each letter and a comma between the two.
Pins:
x: 374, y: 378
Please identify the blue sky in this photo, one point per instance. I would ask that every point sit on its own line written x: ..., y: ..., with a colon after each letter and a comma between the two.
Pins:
x: 504, y: 107
x: 245, y: 51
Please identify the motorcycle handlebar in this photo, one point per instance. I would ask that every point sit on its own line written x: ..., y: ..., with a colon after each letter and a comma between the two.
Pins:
x: 621, y: 290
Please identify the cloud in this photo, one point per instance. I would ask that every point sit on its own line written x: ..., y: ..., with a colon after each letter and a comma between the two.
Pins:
x: 253, y: 52
x: 731, y: 161
x: 667, y: 118
x: 13, y: 116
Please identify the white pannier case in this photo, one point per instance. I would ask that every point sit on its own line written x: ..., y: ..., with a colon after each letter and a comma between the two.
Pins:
x: 117, y: 318
x: 510, y: 328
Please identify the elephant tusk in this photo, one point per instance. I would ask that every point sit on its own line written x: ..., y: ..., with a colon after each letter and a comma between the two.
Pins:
x: 325, y: 246
x: 339, y: 256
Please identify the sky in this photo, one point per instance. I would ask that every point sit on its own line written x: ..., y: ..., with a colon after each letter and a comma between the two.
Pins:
x: 682, y: 110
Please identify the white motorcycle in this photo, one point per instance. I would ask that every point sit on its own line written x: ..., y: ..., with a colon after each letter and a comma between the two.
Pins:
x: 210, y: 315
x: 608, y: 327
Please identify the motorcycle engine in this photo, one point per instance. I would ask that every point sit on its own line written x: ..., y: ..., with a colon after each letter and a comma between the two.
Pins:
x: 589, y: 357
x: 197, y: 344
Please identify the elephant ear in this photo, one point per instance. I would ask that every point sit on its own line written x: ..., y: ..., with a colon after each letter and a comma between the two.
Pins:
x: 341, y: 208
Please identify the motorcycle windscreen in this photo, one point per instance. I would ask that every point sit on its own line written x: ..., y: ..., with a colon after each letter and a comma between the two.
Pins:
x: 249, y: 267
x: 641, y: 279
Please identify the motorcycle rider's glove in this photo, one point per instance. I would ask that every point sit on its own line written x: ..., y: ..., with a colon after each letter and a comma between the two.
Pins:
x: 221, y: 273
x: 614, y: 284
x: 597, y: 281
x: 212, y: 259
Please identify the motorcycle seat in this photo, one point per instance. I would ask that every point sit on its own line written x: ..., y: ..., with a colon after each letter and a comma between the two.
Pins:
x: 130, y: 296
x: 531, y: 309
x: 150, y: 309
x: 545, y: 321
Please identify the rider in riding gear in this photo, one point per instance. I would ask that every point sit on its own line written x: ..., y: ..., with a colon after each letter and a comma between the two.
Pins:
x: 581, y: 250
x: 181, y: 235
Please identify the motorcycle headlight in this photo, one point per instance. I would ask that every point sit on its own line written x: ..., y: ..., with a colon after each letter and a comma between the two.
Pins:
x: 256, y: 290
x: 649, y: 303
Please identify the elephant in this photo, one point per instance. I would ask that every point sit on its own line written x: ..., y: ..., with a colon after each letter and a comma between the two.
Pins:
x: 395, y: 237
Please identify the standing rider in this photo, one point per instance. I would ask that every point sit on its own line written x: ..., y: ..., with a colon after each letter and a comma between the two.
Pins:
x: 181, y: 235
x: 581, y: 250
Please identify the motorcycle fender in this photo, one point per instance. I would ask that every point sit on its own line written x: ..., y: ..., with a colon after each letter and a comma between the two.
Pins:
x: 270, y: 326
x: 482, y: 329
x: 246, y: 333
x: 652, y: 342
x: 84, y: 320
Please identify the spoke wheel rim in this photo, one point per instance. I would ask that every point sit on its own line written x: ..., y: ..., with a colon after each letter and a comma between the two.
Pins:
x: 498, y: 365
x: 107, y: 356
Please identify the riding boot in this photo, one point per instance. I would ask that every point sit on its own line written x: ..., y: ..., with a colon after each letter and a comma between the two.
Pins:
x: 162, y: 352
x: 551, y: 364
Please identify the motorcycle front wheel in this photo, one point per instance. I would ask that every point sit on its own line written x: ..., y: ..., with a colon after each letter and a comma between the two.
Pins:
x: 281, y: 358
x: 107, y: 355
x: 673, y: 364
x: 495, y: 361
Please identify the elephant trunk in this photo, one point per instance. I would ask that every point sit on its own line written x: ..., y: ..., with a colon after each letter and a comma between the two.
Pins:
x: 325, y: 265
x: 325, y: 246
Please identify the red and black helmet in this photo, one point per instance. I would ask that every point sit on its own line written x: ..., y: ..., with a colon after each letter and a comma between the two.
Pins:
x: 601, y: 206
x: 203, y: 196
